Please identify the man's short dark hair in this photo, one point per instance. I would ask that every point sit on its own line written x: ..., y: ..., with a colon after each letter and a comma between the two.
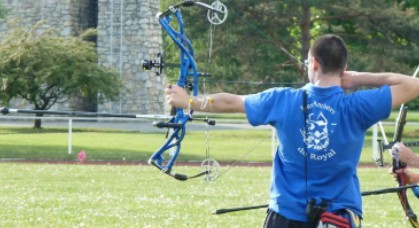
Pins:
x: 330, y: 50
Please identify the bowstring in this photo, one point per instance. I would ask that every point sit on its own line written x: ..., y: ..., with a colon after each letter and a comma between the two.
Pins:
x: 240, y: 159
x: 207, y: 68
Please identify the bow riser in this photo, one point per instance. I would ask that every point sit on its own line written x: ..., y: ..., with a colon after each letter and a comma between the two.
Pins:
x: 188, y: 69
x: 187, y: 62
x: 397, y: 164
x: 172, y: 142
x: 188, y: 65
x: 398, y: 133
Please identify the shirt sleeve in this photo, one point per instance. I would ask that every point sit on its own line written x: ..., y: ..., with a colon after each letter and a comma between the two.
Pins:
x: 260, y: 107
x: 373, y: 105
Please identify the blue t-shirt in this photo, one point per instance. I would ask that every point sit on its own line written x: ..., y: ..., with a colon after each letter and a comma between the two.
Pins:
x: 336, y: 125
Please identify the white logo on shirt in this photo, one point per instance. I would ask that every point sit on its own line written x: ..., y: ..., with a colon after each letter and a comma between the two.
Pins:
x: 317, y: 133
x: 317, y: 137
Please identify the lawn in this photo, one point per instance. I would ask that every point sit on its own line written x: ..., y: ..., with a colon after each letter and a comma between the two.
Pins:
x: 127, y: 146
x: 42, y: 195
x: 77, y: 195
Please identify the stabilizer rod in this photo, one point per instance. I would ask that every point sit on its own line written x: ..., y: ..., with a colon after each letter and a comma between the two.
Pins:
x: 366, y: 193
x: 6, y: 110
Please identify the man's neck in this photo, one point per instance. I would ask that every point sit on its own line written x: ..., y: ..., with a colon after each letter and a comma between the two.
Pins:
x: 327, y: 80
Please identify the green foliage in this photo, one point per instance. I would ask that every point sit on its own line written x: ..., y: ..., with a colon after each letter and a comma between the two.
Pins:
x: 408, y: 4
x: 43, y: 68
x: 3, y: 11
x: 382, y: 35
x: 243, y: 47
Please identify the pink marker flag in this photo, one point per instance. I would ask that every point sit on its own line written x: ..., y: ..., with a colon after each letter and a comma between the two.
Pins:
x: 81, y: 156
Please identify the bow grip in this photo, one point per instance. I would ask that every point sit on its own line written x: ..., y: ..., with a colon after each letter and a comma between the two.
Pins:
x: 397, y: 164
x: 401, y: 122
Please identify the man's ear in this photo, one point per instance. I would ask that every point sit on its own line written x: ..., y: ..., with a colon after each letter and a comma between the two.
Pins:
x: 315, y: 64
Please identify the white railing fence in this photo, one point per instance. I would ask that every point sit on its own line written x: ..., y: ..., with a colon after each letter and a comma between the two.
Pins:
x: 146, y: 126
x: 67, y: 126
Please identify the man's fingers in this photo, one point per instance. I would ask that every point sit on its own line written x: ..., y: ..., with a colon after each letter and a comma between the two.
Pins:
x: 169, y: 89
x: 396, y: 145
x: 392, y: 171
x: 399, y: 171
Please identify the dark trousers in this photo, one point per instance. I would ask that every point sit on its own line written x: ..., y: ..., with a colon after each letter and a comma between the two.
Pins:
x: 275, y: 220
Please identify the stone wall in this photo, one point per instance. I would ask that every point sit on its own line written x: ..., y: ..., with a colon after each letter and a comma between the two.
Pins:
x: 58, y: 14
x: 128, y: 32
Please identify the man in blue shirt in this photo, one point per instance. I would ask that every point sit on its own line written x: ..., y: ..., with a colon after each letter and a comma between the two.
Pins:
x: 320, y: 131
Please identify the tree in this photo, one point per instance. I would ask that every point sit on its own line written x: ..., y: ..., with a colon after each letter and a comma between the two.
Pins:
x: 3, y: 11
x: 43, y: 68
x: 256, y: 41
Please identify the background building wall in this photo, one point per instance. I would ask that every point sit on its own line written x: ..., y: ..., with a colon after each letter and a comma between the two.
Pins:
x: 128, y: 32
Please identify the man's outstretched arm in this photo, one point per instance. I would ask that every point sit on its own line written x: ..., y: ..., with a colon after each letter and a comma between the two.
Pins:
x: 217, y: 103
x: 403, y: 87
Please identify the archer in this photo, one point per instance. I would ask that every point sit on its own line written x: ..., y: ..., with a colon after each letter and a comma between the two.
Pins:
x: 320, y: 130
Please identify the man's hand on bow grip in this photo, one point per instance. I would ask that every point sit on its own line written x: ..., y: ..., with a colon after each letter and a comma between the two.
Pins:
x: 410, y: 176
x: 176, y: 96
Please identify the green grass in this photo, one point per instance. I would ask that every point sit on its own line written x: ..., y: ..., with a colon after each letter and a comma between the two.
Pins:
x: 112, y: 145
x: 51, y: 144
x: 39, y: 195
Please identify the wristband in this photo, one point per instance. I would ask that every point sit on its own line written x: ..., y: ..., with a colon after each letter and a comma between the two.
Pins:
x: 207, y: 100
x: 190, y: 103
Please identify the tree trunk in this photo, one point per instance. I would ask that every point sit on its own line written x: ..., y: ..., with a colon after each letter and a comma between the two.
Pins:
x: 38, y: 122
x: 305, y: 30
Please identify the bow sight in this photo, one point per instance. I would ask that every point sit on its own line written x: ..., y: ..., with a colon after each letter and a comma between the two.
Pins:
x: 159, y: 64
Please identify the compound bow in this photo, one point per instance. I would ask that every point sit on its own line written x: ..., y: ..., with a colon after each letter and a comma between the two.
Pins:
x: 217, y: 14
